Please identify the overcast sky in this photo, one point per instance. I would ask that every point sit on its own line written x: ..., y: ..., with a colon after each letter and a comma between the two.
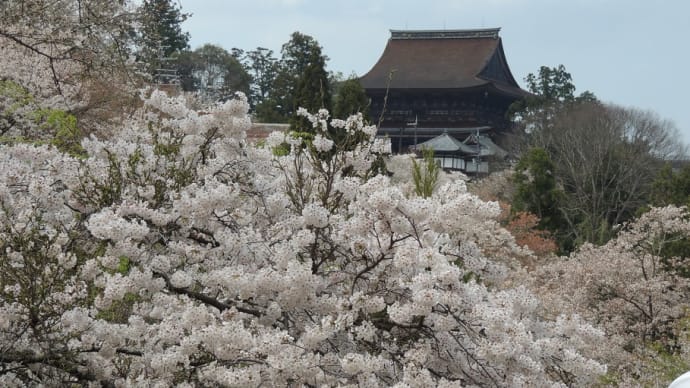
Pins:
x: 629, y: 52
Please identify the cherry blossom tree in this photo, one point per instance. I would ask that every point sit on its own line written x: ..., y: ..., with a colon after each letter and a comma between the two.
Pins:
x: 632, y: 288
x: 177, y: 254
x: 72, y: 56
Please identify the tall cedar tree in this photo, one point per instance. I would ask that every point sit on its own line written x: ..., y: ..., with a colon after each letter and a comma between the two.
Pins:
x: 301, y: 79
x: 161, y: 33
x: 313, y: 91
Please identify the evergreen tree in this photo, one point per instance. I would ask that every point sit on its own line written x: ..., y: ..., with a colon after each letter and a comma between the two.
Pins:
x: 312, y: 91
x: 161, y: 35
x: 301, y: 79
x: 351, y: 99
x: 671, y: 188
x: 552, y: 91
x: 537, y: 192
x: 312, y: 88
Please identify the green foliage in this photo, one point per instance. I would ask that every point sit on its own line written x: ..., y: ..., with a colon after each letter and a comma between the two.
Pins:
x: 425, y: 175
x: 306, y: 136
x: 312, y: 90
x: 282, y: 150
x: 552, y: 84
x: 552, y: 89
x: 536, y: 190
x: 13, y: 100
x: 592, y: 230
x: 278, y: 107
x: 671, y: 188
x: 119, y: 311
x: 298, y: 79
x: 162, y: 26
x: 15, y: 94
x: 468, y: 276
x: 351, y: 99
x: 124, y: 265
x: 56, y: 127
x: 66, y: 135
x: 268, y: 111
x: 555, y: 85
x: 167, y: 149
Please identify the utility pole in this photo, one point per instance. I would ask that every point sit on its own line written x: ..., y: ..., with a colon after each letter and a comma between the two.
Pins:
x: 414, y: 125
x: 165, y: 73
x: 479, y: 153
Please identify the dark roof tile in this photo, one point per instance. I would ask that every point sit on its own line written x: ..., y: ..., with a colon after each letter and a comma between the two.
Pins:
x: 440, y: 59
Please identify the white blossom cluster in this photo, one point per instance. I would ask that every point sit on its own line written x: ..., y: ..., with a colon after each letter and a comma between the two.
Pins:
x: 176, y: 254
x: 58, y: 57
x: 630, y: 286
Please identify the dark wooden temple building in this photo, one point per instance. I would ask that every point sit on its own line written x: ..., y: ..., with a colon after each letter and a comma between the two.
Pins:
x: 452, y: 82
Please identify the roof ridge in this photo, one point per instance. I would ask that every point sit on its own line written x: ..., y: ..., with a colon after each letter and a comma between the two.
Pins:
x: 491, y: 33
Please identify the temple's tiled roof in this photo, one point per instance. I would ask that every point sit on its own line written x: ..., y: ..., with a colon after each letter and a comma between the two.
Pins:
x: 443, y: 59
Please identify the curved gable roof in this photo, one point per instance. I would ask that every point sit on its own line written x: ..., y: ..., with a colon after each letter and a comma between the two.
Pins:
x: 443, y: 59
x: 446, y: 143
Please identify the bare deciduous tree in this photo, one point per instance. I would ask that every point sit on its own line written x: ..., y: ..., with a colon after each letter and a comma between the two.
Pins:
x: 606, y: 158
